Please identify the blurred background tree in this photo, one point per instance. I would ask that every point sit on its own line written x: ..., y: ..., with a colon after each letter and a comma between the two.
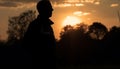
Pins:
x: 18, y: 25
x: 97, y: 30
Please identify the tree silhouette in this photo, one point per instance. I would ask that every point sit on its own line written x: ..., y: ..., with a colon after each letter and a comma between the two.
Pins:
x: 66, y: 30
x: 71, y: 42
x: 77, y: 46
x: 112, y: 45
x: 12, y: 48
x: 97, y: 30
x: 18, y: 25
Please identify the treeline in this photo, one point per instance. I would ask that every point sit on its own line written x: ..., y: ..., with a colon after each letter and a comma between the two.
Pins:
x: 93, y: 44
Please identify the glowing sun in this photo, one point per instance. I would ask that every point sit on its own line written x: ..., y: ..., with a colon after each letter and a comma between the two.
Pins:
x: 71, y: 20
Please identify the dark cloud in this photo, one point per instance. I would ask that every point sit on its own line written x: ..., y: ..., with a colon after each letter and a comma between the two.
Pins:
x: 23, y: 1
x: 15, y: 3
x: 57, y: 1
x: 8, y: 4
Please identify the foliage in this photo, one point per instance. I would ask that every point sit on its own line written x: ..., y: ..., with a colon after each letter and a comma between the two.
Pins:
x: 97, y: 30
x: 78, y: 46
x: 71, y: 41
x: 18, y: 24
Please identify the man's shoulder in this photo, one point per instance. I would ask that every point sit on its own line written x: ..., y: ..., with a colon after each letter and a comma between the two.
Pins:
x: 38, y: 21
x: 34, y: 22
x: 41, y: 22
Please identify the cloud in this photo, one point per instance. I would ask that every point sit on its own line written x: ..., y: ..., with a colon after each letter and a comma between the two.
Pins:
x: 67, y: 5
x: 15, y: 3
x: 76, y: 3
x: 80, y: 13
x: 9, y: 4
x: 58, y: 3
x: 97, y: 3
x: 114, y: 5
x: 23, y: 1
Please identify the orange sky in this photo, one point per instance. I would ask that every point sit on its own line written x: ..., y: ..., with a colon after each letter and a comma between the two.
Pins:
x: 88, y: 11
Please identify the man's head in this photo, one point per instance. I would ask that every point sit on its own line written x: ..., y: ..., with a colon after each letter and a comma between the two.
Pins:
x: 44, y: 8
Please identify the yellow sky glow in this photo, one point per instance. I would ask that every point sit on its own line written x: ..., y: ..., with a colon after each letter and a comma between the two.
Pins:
x: 71, y: 20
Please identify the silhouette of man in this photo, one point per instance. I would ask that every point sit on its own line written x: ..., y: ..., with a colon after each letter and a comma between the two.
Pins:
x: 39, y: 38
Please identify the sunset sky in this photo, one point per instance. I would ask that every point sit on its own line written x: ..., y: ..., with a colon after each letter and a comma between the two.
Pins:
x: 65, y: 12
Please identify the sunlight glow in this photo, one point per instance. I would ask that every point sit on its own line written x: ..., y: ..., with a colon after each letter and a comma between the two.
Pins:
x: 66, y: 5
x: 86, y: 13
x: 97, y: 3
x: 80, y: 13
x: 79, y: 4
x: 71, y: 20
x: 114, y: 5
